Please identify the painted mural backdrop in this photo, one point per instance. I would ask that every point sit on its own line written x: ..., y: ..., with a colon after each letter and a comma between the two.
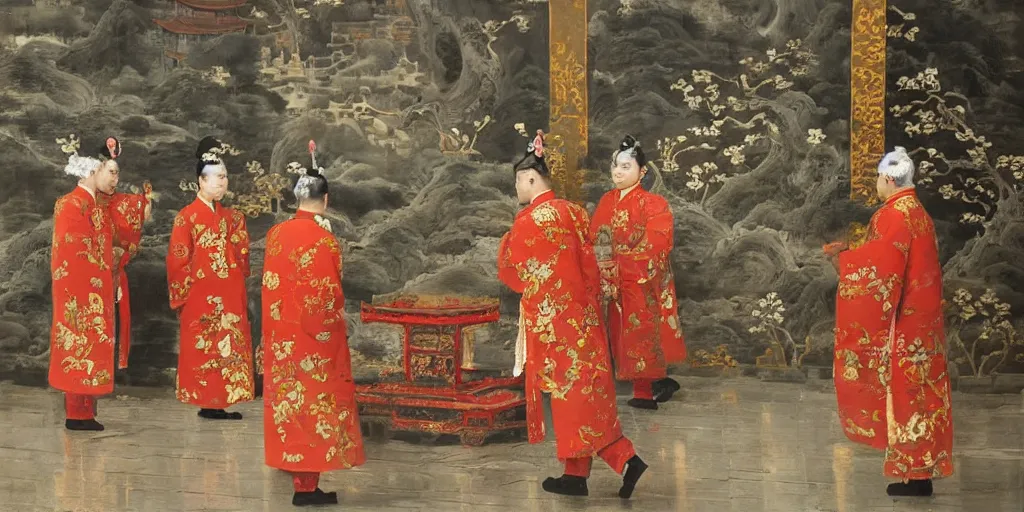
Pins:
x: 419, y: 107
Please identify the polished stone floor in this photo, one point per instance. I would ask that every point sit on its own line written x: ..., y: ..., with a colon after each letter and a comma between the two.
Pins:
x: 724, y: 445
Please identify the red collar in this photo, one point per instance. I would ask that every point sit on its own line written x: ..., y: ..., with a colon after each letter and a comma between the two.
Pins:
x: 84, y: 194
x: 543, y: 196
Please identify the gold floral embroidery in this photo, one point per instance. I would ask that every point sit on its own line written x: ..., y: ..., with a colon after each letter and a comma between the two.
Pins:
x: 544, y: 214
x: 271, y: 280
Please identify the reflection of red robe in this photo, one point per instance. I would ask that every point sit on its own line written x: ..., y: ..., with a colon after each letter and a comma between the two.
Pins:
x: 81, y: 266
x: 207, y: 264
x: 643, y: 322
x: 890, y: 353
x: 128, y: 213
x: 546, y: 258
x: 311, y: 421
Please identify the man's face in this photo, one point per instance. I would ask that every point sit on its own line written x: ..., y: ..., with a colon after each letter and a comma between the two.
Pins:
x: 106, y: 176
x: 214, y: 183
x: 625, y: 171
x: 884, y: 186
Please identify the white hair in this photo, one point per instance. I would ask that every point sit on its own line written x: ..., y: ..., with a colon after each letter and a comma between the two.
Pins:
x: 81, y: 166
x: 899, y: 166
x: 305, y: 186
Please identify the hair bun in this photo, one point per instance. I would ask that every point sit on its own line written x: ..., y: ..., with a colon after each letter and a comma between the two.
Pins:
x: 209, y: 142
x: 313, y: 171
x: 628, y: 142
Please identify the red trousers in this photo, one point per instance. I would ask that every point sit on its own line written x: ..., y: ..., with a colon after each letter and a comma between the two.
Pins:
x: 616, y: 455
x: 79, y: 407
x: 305, y: 482
x: 643, y: 389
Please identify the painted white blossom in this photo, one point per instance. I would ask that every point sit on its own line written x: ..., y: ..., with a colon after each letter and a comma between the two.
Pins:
x: 815, y: 136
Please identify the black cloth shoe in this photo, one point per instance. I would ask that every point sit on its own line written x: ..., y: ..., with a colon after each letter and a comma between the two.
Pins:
x: 664, y: 389
x: 219, y: 414
x: 911, y: 488
x: 635, y: 468
x: 92, y: 425
x: 317, y: 497
x: 567, y: 485
x: 643, y: 403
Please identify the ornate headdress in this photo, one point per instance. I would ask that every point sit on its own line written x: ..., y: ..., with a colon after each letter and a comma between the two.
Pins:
x: 78, y: 166
x: 310, y: 180
x: 897, y: 165
x: 631, y: 147
x: 534, y: 157
x: 210, y: 154
x: 111, y: 149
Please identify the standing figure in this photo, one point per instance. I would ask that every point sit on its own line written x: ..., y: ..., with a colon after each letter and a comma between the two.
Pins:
x: 632, y: 234
x: 83, y: 263
x: 310, y: 421
x: 207, y: 264
x: 128, y: 213
x: 890, y: 352
x: 547, y: 258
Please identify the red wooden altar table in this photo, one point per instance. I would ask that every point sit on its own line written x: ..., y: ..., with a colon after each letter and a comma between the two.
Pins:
x: 439, y: 393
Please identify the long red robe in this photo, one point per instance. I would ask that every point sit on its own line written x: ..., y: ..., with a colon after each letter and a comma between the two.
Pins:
x: 207, y: 264
x: 311, y: 420
x: 127, y: 211
x: 82, y: 272
x: 643, y: 320
x: 546, y: 257
x: 890, y: 354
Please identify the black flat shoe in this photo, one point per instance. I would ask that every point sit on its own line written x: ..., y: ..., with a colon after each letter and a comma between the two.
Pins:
x: 911, y: 488
x: 219, y: 414
x: 317, y: 497
x: 643, y: 403
x: 87, y: 425
x: 664, y: 389
x: 635, y: 468
x: 566, y: 485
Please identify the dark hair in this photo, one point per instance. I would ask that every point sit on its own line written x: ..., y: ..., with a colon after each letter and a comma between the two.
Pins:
x: 630, y: 145
x: 209, y: 142
x: 534, y: 157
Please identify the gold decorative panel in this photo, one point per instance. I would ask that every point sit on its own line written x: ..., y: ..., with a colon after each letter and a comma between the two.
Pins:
x: 867, y: 97
x: 569, y: 101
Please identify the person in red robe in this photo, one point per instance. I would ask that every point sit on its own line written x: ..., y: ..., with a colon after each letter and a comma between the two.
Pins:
x: 311, y: 420
x: 632, y: 232
x: 128, y: 213
x: 85, y: 282
x: 547, y: 258
x: 892, y: 386
x: 207, y: 265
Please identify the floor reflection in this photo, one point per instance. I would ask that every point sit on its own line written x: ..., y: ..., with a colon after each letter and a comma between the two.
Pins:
x: 722, y: 445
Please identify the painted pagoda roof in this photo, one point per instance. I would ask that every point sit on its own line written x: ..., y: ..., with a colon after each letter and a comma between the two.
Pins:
x: 203, y: 25
x: 213, y: 5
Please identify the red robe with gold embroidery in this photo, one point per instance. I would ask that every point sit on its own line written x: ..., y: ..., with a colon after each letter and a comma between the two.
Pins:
x: 128, y: 213
x: 643, y: 320
x: 547, y: 258
x: 82, y: 272
x: 890, y: 353
x: 207, y: 264
x: 310, y: 421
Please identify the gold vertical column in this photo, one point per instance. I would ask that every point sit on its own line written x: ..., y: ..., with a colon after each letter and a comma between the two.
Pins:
x: 567, y: 143
x: 867, y: 97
